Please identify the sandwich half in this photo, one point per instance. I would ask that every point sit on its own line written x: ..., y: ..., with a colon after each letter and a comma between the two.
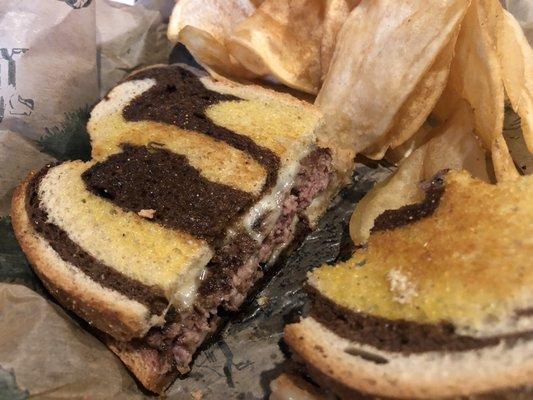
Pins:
x: 196, y: 185
x: 438, y: 304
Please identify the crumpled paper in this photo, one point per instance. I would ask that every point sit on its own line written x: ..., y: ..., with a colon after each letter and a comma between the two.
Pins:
x: 49, y: 355
x: 47, y: 63
x: 130, y: 37
x: 22, y: 156
x: 57, y: 57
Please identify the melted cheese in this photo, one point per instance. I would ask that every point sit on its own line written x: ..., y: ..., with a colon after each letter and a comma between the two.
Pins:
x: 470, y: 263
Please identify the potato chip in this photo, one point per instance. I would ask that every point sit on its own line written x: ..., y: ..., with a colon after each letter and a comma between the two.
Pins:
x: 290, y: 40
x: 453, y: 145
x: 415, y: 110
x: 446, y: 104
x: 516, y: 60
x: 383, y: 50
x: 400, y: 153
x: 282, y: 39
x: 203, y: 26
x: 397, y: 190
x: 504, y: 167
x: 476, y: 76
x: 336, y: 13
x: 418, y: 106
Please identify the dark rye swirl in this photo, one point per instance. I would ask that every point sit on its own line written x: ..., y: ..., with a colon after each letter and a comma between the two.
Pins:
x: 171, y: 220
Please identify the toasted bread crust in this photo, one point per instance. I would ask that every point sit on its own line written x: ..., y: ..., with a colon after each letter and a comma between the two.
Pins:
x: 103, y: 308
x: 289, y: 386
x: 324, y: 355
x: 133, y: 359
x: 325, y: 375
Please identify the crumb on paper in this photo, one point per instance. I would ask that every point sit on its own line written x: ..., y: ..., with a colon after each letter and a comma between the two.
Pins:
x: 262, y: 301
x: 402, y: 288
x: 197, y: 394
x: 149, y: 213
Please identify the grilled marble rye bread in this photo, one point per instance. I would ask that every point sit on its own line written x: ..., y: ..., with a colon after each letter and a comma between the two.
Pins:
x: 439, y: 304
x: 193, y: 186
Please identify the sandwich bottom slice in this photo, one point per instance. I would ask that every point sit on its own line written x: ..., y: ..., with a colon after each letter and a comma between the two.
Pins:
x: 437, y: 305
x: 196, y: 187
x: 69, y: 271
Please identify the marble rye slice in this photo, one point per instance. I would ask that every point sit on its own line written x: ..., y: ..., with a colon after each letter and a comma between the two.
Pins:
x: 437, y: 305
x: 194, y: 183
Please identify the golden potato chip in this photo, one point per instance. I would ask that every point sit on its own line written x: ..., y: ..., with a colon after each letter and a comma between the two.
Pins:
x: 397, y: 190
x: 336, y: 13
x: 290, y: 40
x: 282, y: 39
x: 415, y: 110
x: 476, y: 76
x: 446, y: 104
x: 453, y: 146
x: 502, y: 162
x: 516, y: 60
x: 400, y: 153
x: 383, y: 50
x: 418, y: 106
x: 504, y: 167
x: 203, y: 26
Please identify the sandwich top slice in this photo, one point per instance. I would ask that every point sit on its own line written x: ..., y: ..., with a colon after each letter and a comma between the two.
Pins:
x: 195, y: 184
x: 438, y: 304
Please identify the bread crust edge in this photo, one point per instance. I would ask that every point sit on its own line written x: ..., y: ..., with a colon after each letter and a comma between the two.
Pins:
x: 134, y: 361
x: 325, y: 363
x: 122, y: 318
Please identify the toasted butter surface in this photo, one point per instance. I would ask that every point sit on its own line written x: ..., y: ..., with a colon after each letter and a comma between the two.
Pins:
x: 122, y: 240
x: 470, y: 262
x: 275, y: 125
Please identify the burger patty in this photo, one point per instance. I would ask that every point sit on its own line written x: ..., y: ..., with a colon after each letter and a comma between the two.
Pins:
x: 231, y: 274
